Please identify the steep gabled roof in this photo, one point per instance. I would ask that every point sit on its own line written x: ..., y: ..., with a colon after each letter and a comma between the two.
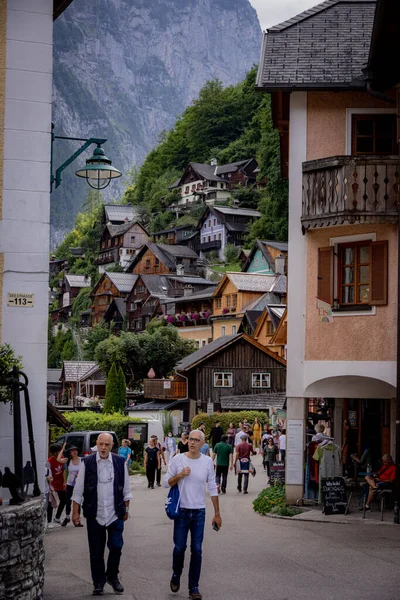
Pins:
x: 205, y: 171
x: 234, y: 166
x: 124, y: 282
x: 74, y: 370
x: 77, y: 281
x: 166, y: 254
x: 325, y: 47
x: 53, y: 375
x: 119, y: 304
x: 119, y: 213
x: 216, y: 346
x: 248, y: 282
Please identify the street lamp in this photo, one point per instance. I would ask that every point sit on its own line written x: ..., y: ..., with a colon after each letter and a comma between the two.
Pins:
x: 98, y: 171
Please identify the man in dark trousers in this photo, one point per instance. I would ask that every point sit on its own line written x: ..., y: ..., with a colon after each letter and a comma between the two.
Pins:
x: 103, y: 484
x: 216, y: 434
x: 244, y: 451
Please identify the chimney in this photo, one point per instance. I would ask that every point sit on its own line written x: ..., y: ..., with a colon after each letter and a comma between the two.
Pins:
x: 280, y: 264
x: 188, y: 290
x: 180, y: 270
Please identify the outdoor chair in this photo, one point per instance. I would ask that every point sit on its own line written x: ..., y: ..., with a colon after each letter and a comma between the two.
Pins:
x: 382, y: 496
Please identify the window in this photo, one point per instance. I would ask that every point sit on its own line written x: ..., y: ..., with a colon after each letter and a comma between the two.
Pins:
x: 109, y: 244
x: 228, y: 301
x: 133, y: 238
x: 121, y: 251
x: 261, y: 380
x: 215, y: 222
x: 133, y: 306
x: 220, y: 236
x: 209, y: 222
x: 223, y: 380
x: 353, y: 275
x: 218, y: 302
x: 234, y: 300
x: 203, y: 342
x: 223, y: 330
x: 147, y: 263
x: 205, y: 225
x: 209, y: 238
x: 270, y: 328
x: 374, y: 134
x: 233, y: 329
x: 116, y: 242
x: 157, y: 262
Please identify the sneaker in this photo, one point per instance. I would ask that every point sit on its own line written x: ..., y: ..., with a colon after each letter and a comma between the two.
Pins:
x: 239, y: 489
x: 98, y: 589
x: 175, y: 583
x: 78, y: 525
x: 65, y: 522
x: 245, y: 492
x: 158, y: 484
x: 223, y: 491
x: 56, y: 520
x: 116, y: 585
x: 367, y: 508
x: 50, y: 525
x: 194, y: 594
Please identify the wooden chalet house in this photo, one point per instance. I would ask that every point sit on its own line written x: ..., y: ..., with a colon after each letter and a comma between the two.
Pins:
x: 184, y: 235
x: 119, y: 243
x: 232, y: 373
x: 238, y: 293
x: 210, y: 183
x: 118, y: 214
x: 191, y: 314
x: 115, y: 314
x: 71, y: 373
x: 337, y: 111
x: 70, y: 287
x: 267, y: 257
x: 148, y: 295
x: 164, y: 259
x: 110, y: 286
x: 222, y: 225
x: 271, y: 329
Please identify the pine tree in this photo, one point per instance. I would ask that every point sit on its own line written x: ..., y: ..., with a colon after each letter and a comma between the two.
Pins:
x: 122, y: 389
x: 111, y: 401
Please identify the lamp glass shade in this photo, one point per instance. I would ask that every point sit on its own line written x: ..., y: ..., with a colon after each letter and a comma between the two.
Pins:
x: 98, y: 171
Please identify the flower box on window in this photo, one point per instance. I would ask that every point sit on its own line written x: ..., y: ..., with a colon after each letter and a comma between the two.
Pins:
x: 171, y: 319
x: 225, y: 311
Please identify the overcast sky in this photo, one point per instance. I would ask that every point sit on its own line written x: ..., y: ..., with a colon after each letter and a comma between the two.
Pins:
x: 272, y: 12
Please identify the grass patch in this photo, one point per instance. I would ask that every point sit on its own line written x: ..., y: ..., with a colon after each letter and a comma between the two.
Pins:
x: 136, y: 468
x: 228, y: 267
x: 285, y: 511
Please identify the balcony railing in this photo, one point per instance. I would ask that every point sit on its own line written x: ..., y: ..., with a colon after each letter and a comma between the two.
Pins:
x: 350, y: 189
x: 164, y: 389
x: 213, y: 245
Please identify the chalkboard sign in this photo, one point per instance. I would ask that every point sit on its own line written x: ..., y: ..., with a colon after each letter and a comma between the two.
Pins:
x: 277, y: 474
x: 334, y: 498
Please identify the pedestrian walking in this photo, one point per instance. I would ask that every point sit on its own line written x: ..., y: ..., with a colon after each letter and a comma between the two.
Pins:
x: 282, y: 444
x: 152, y: 462
x: 269, y: 455
x: 162, y: 458
x: 243, y: 455
x: 239, y: 436
x: 205, y: 449
x: 103, y: 485
x: 183, y: 445
x: 170, y: 445
x: 73, y: 465
x: 257, y: 433
x: 125, y: 452
x: 231, y: 433
x: 216, y: 434
x: 57, y: 466
x: 191, y: 471
x: 223, y: 452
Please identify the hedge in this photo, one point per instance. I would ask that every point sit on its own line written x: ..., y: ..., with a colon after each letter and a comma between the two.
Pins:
x: 228, y: 417
x: 89, y: 420
x: 271, y: 498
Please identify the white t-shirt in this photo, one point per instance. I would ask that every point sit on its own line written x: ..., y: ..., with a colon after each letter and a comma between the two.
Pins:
x: 282, y: 441
x: 238, y: 438
x: 193, y: 486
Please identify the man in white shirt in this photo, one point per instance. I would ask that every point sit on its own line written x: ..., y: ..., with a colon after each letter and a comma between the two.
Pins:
x: 282, y: 444
x: 103, y: 484
x: 191, y: 471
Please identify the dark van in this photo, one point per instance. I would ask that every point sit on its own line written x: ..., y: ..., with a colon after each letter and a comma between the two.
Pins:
x: 85, y: 440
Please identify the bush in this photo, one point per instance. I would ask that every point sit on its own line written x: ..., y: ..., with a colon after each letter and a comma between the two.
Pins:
x: 231, y: 253
x: 285, y: 511
x: 270, y: 498
x: 112, y: 399
x: 8, y: 360
x: 136, y: 468
x: 228, y: 417
x: 89, y: 420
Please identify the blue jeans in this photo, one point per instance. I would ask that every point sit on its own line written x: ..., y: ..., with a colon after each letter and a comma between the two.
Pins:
x: 97, y: 535
x: 189, y: 520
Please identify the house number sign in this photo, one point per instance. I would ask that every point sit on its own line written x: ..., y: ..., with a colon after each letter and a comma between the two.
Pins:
x: 21, y: 300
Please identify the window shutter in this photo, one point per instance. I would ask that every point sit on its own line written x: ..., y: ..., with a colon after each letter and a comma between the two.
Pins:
x: 325, y: 274
x: 379, y: 273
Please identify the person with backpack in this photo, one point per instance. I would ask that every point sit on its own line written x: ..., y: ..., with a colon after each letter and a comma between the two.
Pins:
x: 73, y: 464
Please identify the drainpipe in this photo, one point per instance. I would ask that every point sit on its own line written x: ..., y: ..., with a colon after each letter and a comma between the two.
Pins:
x: 397, y: 457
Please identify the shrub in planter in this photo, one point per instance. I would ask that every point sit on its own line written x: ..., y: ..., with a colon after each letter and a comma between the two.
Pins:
x: 171, y: 319
x: 195, y: 316
x: 182, y: 318
x: 225, y: 311
x: 269, y: 499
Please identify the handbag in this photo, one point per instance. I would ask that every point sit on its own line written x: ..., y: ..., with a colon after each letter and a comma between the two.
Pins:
x: 173, y: 500
x: 53, y: 499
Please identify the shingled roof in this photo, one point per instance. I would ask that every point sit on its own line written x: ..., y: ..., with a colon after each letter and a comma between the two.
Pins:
x: 325, y: 47
x: 73, y: 370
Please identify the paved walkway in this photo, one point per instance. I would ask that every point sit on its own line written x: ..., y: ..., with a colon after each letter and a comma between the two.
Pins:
x: 252, y: 557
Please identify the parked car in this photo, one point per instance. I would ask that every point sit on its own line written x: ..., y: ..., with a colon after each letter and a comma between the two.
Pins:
x: 85, y: 440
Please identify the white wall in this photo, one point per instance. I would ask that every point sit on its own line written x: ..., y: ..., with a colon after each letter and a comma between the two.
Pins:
x: 24, y: 229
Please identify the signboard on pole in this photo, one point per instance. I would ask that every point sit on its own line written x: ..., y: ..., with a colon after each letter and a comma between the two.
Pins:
x: 210, y: 408
x: 294, y: 451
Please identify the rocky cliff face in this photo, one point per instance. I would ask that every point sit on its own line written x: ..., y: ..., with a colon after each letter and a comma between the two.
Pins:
x: 126, y: 69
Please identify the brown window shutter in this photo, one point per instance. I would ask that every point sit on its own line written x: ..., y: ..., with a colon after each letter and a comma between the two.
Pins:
x: 379, y: 273
x: 325, y: 274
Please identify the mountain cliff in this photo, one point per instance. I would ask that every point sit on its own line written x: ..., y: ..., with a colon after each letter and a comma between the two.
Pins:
x: 126, y: 69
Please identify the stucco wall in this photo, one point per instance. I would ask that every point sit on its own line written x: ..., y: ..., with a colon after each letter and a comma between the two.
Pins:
x: 326, y: 120
x: 195, y: 333
x: 352, y: 338
x: 3, y: 25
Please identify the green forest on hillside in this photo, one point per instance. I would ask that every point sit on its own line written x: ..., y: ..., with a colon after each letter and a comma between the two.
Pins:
x: 229, y: 124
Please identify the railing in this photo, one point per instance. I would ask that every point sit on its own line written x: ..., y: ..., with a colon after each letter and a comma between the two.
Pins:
x: 350, y: 189
x: 164, y: 389
x: 192, y: 322
x: 214, y: 244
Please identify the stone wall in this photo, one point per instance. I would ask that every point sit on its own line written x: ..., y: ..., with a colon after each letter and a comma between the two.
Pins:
x: 21, y: 550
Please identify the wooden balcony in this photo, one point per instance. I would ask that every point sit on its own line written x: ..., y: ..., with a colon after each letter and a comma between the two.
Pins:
x: 164, y: 389
x: 352, y: 189
x: 212, y: 245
